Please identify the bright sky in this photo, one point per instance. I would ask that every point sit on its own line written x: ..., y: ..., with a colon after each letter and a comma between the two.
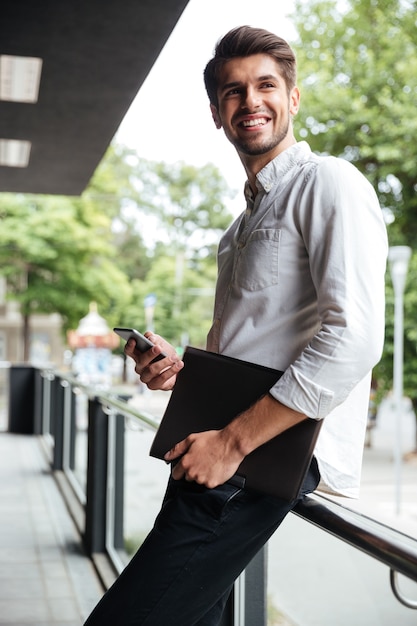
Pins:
x: 170, y: 118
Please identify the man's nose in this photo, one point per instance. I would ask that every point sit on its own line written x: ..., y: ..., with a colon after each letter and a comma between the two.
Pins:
x: 251, y: 99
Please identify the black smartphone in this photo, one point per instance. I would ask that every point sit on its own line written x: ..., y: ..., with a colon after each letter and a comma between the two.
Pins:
x: 142, y: 343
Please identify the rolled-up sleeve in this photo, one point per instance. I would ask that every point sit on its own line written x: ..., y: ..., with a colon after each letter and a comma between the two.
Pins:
x: 342, y: 226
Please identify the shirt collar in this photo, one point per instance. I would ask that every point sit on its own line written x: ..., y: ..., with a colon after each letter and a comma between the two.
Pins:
x: 274, y: 171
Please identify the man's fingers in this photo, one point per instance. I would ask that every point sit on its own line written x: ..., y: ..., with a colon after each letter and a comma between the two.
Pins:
x: 178, y: 450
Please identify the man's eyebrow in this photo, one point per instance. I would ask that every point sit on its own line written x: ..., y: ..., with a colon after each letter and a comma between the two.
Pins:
x: 236, y: 83
x: 230, y: 85
x: 268, y: 77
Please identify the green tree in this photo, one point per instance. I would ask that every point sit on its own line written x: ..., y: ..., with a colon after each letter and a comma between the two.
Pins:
x: 112, y: 188
x: 112, y: 191
x: 358, y: 77
x: 56, y: 258
x: 188, y: 203
x: 179, y: 211
x: 184, y: 210
x: 183, y: 310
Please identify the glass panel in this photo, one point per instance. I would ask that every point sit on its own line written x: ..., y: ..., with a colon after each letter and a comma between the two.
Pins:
x: 387, y: 495
x: 145, y: 477
x: 316, y: 579
x: 79, y: 440
x: 4, y: 396
x: 3, y: 344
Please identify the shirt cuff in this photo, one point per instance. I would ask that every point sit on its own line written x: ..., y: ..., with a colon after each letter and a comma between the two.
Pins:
x: 303, y: 395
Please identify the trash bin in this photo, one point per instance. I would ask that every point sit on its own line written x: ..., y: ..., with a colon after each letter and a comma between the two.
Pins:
x: 22, y: 399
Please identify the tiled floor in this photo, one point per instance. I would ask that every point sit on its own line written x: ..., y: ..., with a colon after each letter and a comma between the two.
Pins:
x: 45, y: 579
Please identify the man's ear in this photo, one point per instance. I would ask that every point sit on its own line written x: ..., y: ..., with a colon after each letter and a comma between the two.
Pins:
x: 294, y: 100
x: 215, y: 115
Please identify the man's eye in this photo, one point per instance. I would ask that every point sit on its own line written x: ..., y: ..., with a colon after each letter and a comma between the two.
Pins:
x: 232, y: 92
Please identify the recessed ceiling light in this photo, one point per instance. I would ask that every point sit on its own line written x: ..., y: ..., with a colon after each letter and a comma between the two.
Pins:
x: 19, y: 78
x: 14, y: 152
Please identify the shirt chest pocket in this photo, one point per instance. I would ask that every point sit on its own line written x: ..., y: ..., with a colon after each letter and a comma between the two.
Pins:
x: 256, y: 265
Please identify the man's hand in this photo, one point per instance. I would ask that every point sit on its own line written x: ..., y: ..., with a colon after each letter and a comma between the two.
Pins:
x: 209, y: 458
x: 213, y: 457
x: 161, y: 374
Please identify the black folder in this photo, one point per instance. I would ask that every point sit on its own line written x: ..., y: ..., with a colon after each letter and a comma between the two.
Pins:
x: 210, y: 391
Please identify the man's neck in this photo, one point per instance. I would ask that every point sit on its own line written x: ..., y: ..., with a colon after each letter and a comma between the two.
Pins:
x: 253, y: 164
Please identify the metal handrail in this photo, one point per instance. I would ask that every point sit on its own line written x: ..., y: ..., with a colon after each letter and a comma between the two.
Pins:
x: 393, y: 577
x: 106, y: 398
x: 389, y: 546
x: 110, y: 401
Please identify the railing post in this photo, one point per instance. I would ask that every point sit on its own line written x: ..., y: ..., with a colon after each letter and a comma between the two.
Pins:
x: 115, y: 488
x: 47, y: 403
x: 247, y: 604
x: 67, y: 406
x: 21, y: 399
x: 73, y: 428
x: 256, y: 590
x: 38, y: 403
x: 58, y: 423
x: 52, y: 405
x: 119, y: 483
x: 95, y: 514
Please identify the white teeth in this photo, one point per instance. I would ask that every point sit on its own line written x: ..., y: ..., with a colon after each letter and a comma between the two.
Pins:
x: 258, y: 122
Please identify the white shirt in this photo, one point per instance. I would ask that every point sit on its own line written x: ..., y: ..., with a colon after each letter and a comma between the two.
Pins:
x: 301, y: 288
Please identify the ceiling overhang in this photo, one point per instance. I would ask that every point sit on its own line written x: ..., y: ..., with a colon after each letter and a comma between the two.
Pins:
x: 95, y: 56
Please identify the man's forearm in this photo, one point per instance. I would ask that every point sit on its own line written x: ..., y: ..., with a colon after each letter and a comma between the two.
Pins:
x: 212, y: 457
x: 260, y: 423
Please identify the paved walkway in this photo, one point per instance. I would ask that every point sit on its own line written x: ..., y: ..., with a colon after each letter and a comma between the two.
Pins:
x: 45, y: 579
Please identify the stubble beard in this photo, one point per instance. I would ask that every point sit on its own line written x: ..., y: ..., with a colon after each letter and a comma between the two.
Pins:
x: 253, y: 146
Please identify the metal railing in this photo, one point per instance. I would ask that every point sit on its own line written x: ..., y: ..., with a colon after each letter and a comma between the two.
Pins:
x: 83, y: 429
x: 394, y: 549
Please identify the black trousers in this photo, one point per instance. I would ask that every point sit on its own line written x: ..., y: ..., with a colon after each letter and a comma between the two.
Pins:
x: 202, y: 540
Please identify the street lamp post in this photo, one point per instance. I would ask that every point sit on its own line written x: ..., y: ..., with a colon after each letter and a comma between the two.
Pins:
x: 399, y: 257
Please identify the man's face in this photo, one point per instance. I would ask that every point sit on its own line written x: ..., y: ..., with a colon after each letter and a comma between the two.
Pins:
x: 254, y: 107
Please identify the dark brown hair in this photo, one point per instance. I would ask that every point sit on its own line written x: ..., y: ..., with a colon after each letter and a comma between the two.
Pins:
x: 244, y: 41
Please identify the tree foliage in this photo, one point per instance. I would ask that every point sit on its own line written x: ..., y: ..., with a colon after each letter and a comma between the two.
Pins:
x: 56, y: 256
x: 187, y: 203
x: 358, y: 74
x: 183, y: 310
x: 60, y: 253
x: 183, y: 210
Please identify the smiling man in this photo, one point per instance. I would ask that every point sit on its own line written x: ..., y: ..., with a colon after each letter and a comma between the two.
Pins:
x: 300, y: 288
x: 254, y: 106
